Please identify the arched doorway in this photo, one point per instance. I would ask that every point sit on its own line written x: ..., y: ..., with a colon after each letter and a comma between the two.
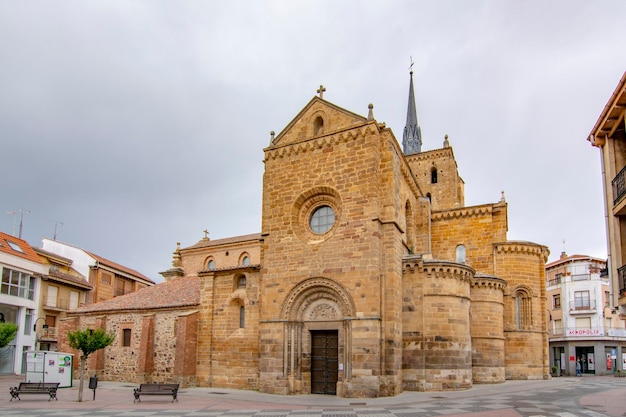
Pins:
x: 318, y: 314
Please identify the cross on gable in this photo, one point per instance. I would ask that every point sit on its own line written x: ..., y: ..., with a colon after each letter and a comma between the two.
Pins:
x: 321, y: 90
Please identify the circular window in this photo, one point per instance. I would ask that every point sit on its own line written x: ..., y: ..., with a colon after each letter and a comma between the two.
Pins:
x: 316, y: 214
x: 322, y: 220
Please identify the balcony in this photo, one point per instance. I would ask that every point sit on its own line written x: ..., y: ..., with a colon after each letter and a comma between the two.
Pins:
x: 582, y: 307
x: 48, y: 334
x: 555, y: 281
x: 619, y: 186
x: 621, y: 280
x: 62, y: 304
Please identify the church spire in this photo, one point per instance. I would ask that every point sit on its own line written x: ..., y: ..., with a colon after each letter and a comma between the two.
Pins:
x: 412, y: 137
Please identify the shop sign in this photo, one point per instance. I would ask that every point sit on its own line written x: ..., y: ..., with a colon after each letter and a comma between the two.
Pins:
x: 585, y: 332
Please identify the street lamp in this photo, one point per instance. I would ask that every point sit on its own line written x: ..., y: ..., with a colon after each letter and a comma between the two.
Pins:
x: 45, y: 326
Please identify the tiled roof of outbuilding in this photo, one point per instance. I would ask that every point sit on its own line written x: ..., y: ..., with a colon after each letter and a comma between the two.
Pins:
x: 205, y: 243
x: 179, y: 292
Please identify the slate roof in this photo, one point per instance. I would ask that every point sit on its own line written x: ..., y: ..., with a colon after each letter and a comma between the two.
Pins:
x: 24, y: 250
x: 179, y: 292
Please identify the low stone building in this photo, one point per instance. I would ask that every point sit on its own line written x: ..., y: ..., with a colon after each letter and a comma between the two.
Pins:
x: 156, y: 333
x: 370, y: 276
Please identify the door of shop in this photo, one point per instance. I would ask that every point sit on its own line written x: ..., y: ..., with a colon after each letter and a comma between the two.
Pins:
x: 324, y: 361
x: 587, y: 359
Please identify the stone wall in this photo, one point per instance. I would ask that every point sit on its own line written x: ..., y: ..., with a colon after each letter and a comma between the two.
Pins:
x: 522, y: 265
x: 228, y: 345
x: 353, y: 167
x: 152, y: 353
x: 487, y: 317
x: 449, y: 190
x: 476, y: 227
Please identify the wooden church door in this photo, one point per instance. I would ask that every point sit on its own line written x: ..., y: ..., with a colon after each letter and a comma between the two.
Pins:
x: 324, y: 361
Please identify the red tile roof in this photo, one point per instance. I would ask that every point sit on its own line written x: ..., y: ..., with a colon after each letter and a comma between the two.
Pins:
x: 179, y: 292
x: 26, y: 251
x: 575, y: 257
x: 119, y: 267
x: 204, y: 243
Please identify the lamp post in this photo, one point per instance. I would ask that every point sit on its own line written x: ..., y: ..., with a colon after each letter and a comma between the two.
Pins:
x: 45, y: 326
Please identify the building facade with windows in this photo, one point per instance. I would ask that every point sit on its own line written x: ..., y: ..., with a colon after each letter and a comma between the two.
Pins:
x: 107, y: 279
x: 62, y: 289
x: 583, y: 324
x: 370, y: 276
x: 21, y: 270
x: 609, y: 136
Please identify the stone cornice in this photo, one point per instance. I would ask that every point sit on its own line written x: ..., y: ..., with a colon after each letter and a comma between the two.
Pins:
x: 247, y: 268
x: 522, y: 247
x: 489, y: 281
x: 473, y: 211
x: 312, y: 144
x: 439, y: 268
x: 433, y: 154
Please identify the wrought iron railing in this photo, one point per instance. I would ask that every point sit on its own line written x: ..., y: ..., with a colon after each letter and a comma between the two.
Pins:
x: 555, y: 281
x: 619, y: 186
x: 621, y: 280
x: 586, y: 305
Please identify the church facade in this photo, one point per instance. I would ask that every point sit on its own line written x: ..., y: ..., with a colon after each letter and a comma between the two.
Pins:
x: 370, y: 276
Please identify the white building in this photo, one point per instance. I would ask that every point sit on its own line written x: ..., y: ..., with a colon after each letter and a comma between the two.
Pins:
x: 583, y: 325
x: 21, y: 270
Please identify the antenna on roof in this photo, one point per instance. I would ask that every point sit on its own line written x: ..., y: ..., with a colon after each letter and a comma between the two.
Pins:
x: 21, y: 212
x: 56, y: 223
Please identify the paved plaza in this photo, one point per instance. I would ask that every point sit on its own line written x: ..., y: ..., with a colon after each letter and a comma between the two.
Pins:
x: 562, y: 397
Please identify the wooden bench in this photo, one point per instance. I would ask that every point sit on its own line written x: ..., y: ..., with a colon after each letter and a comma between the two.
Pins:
x: 49, y: 388
x: 157, y: 389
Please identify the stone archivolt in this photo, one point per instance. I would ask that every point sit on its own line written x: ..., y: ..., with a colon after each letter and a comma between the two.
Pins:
x: 314, y: 289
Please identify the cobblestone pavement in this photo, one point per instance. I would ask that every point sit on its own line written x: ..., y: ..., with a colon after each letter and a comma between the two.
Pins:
x: 589, y: 396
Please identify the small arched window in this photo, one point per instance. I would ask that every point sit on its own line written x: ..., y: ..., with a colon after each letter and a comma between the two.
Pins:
x: 318, y: 126
x: 210, y: 265
x: 523, y: 309
x: 241, y: 282
x: 460, y: 253
x: 242, y: 317
x: 245, y: 261
x: 408, y: 218
x: 433, y: 176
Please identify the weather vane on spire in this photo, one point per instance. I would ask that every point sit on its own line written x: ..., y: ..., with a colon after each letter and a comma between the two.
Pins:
x: 411, y: 66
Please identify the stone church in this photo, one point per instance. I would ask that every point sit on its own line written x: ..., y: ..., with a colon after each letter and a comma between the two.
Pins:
x: 370, y: 276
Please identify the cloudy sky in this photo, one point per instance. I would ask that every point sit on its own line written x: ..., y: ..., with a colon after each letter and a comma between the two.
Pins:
x: 131, y: 125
